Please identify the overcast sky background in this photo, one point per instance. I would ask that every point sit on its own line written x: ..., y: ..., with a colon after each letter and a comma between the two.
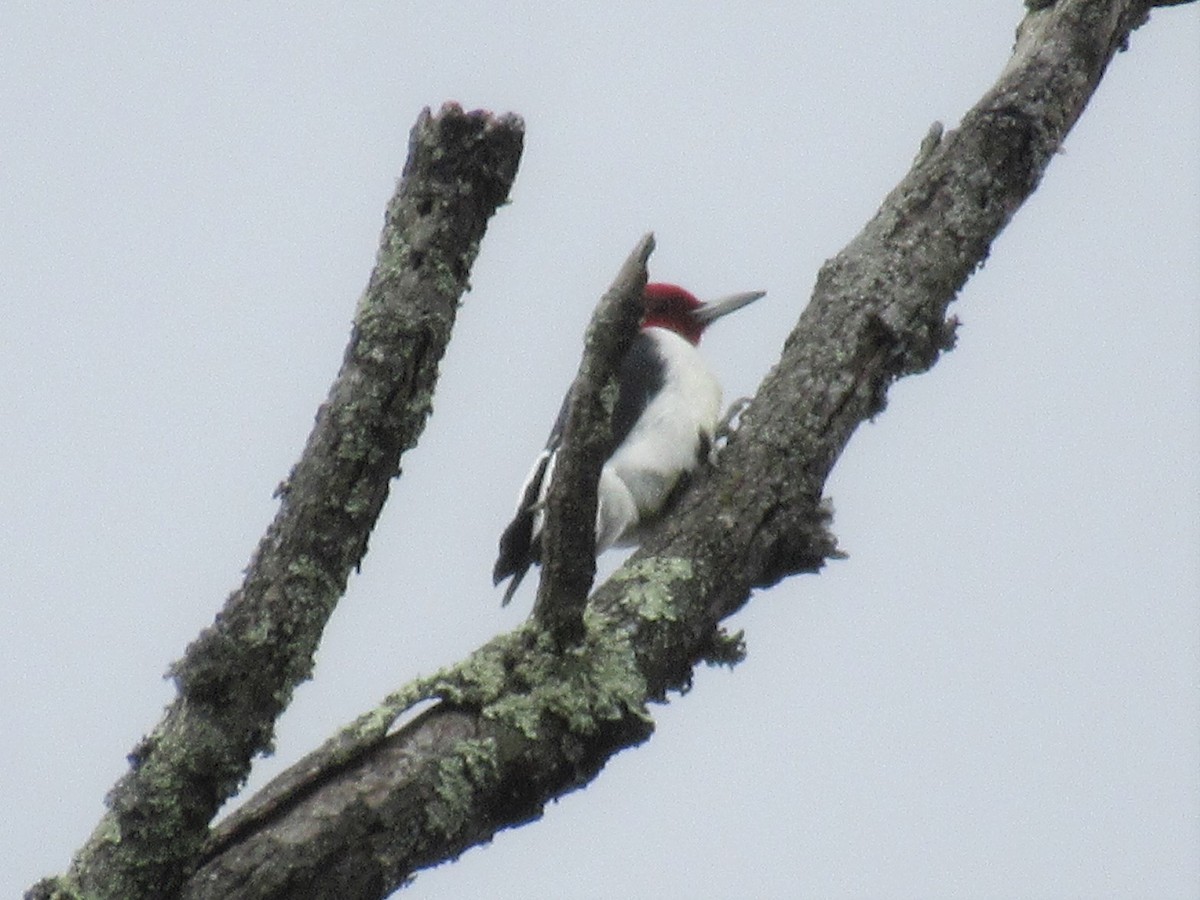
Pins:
x: 996, y: 695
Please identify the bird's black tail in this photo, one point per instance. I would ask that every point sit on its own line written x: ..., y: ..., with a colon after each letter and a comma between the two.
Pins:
x: 520, y: 548
x: 516, y: 553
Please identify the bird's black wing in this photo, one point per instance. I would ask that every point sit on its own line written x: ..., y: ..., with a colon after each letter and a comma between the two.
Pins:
x: 518, y: 550
x: 639, y: 378
x: 519, y: 547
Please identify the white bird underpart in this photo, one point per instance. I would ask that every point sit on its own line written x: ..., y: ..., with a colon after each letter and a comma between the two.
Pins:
x: 670, y: 438
x: 666, y: 414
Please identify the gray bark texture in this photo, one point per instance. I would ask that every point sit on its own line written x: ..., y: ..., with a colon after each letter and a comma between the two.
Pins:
x: 537, y: 712
x: 239, y: 674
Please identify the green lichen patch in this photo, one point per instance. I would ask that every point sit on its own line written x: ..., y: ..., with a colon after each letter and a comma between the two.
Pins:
x: 521, y: 680
x: 55, y: 888
x: 468, y: 768
x: 648, y: 593
x: 483, y: 675
x: 609, y: 395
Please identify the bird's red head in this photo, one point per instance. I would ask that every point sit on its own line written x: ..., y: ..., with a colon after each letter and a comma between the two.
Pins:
x: 670, y: 306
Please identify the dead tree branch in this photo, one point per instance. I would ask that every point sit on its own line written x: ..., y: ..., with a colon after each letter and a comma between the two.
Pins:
x: 569, y: 538
x: 239, y: 674
x: 523, y: 720
x: 520, y: 722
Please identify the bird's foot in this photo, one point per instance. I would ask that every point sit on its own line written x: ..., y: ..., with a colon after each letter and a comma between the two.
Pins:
x: 729, y: 423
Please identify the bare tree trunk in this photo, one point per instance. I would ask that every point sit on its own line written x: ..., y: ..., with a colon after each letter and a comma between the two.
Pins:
x: 537, y: 712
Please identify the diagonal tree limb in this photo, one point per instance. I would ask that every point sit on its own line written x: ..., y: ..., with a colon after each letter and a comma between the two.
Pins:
x: 569, y: 537
x: 520, y: 723
x: 239, y: 674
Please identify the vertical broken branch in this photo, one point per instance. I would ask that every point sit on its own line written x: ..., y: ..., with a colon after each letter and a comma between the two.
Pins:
x: 569, y: 536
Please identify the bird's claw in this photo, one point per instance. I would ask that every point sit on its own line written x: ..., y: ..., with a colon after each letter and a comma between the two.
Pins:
x: 729, y: 423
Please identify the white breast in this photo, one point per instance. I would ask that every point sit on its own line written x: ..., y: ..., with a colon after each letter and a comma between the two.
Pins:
x: 665, y: 441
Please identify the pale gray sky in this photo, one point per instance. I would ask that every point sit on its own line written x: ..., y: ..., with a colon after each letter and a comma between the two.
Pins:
x: 996, y: 695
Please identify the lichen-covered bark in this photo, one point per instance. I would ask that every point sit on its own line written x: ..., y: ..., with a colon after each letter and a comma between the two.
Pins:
x: 239, y: 674
x: 522, y: 720
x: 878, y: 312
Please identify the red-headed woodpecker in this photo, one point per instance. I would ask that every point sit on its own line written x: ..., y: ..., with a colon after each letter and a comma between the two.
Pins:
x: 668, y: 405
